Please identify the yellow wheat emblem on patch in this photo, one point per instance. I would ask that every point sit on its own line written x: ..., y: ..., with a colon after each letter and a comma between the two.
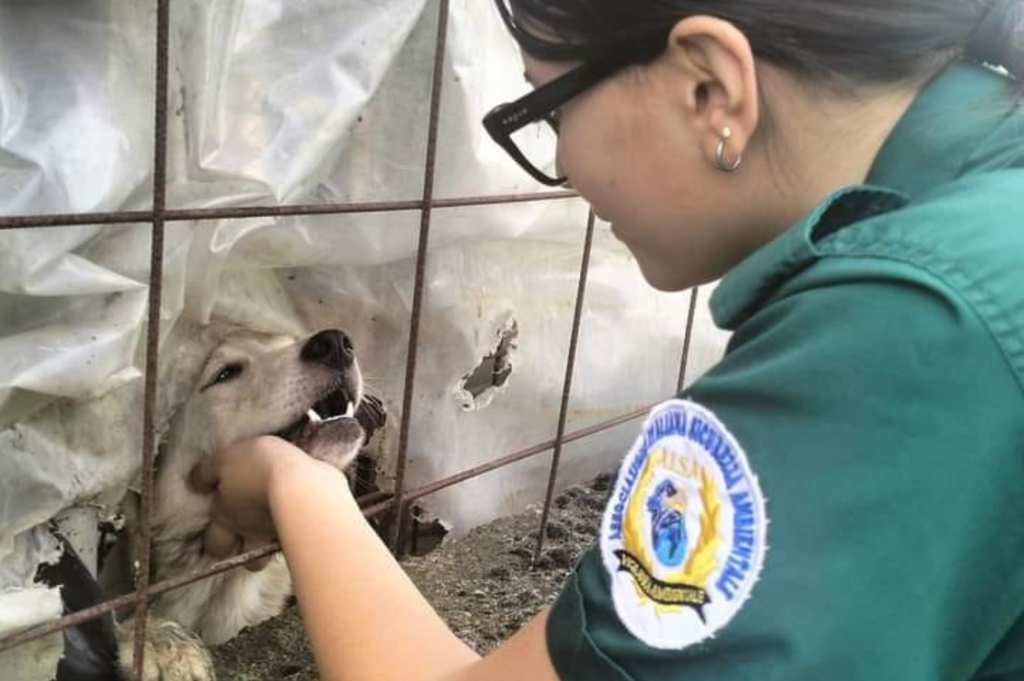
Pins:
x: 685, y: 586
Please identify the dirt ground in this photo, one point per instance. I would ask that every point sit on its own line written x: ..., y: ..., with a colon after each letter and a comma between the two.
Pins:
x: 482, y: 584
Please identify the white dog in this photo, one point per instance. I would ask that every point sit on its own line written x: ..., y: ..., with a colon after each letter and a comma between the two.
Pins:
x: 253, y: 384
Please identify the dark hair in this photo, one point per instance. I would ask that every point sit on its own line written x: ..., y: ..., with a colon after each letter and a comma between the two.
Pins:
x: 848, y: 42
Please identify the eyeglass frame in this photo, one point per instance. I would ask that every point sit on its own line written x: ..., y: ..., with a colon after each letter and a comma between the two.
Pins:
x: 542, y: 104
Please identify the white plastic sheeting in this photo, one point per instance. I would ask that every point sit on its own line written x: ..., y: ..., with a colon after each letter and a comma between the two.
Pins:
x: 299, y: 101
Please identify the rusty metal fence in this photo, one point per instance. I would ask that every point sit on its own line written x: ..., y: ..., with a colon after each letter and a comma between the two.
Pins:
x: 396, y: 506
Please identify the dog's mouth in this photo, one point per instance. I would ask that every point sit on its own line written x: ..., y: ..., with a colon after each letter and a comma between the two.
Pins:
x: 335, y: 406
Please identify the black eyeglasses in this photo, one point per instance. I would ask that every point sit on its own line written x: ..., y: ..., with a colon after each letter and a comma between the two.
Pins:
x: 541, y: 106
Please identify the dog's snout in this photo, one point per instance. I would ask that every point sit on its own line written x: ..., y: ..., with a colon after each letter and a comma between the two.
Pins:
x: 331, y: 348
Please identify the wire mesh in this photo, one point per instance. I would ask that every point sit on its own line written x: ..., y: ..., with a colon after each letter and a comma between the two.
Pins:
x: 143, y: 538
x: 394, y: 506
x: 398, y: 522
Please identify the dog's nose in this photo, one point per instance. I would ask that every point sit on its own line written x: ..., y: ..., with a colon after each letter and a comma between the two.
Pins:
x: 331, y: 348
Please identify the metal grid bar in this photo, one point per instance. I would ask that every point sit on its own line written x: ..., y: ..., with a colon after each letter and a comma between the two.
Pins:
x: 398, y: 520
x: 371, y: 511
x: 376, y: 504
x: 570, y: 366
x: 239, y: 212
x: 687, y: 339
x: 156, y: 270
x: 469, y: 474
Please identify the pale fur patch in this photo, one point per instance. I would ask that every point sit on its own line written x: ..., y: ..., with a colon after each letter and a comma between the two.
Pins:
x: 274, y: 389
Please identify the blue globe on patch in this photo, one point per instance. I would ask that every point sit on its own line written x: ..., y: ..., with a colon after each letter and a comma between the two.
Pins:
x: 666, y: 507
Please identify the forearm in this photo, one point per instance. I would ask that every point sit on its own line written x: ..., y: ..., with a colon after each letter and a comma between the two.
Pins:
x: 365, y: 618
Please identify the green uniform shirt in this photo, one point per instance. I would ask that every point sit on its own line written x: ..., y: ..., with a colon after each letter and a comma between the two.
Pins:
x: 873, y: 393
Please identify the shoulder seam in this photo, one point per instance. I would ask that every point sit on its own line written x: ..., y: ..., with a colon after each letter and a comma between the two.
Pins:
x: 1005, y: 333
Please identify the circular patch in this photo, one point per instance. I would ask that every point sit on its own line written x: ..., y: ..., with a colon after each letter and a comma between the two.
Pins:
x: 683, y: 538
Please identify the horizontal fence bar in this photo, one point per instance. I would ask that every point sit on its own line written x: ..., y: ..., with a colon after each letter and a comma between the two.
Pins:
x: 130, y: 599
x: 536, y: 450
x: 241, y: 212
x: 101, y: 609
x: 374, y: 498
x: 375, y: 510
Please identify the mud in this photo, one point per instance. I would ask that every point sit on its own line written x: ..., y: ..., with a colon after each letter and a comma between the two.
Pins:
x: 484, y: 585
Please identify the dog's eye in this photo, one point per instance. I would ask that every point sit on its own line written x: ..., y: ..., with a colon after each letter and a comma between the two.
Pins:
x: 229, y: 372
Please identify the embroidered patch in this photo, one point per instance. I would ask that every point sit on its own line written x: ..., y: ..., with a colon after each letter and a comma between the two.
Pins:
x: 683, y: 538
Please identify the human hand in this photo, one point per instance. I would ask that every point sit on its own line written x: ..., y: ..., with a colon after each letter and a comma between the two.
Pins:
x: 240, y: 477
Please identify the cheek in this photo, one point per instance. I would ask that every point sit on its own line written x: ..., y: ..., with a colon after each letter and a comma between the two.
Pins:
x: 659, y: 189
x: 228, y: 424
x: 586, y: 156
x: 208, y: 422
x: 614, y: 160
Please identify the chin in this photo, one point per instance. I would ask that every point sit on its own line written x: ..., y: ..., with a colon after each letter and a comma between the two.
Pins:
x: 668, y: 287
x: 667, y: 279
x: 661, y: 273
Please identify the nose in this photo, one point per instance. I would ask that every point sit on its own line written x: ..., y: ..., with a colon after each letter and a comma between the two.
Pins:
x: 331, y: 348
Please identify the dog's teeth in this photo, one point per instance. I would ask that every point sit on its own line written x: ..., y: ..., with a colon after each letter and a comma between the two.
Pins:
x: 350, y: 411
x: 313, y: 416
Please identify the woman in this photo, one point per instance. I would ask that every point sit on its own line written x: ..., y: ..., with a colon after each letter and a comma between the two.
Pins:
x: 855, y: 174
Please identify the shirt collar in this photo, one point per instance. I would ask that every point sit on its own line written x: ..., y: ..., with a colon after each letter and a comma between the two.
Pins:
x: 939, y: 139
x: 751, y: 282
x: 964, y: 122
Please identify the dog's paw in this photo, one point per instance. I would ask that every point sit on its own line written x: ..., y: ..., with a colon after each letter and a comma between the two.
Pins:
x: 335, y: 442
x: 172, y: 653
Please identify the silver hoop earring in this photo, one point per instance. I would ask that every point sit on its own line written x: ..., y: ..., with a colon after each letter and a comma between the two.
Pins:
x: 723, y: 164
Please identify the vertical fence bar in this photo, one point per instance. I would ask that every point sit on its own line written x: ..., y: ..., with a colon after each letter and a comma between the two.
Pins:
x: 398, y: 521
x: 160, y: 215
x: 685, y: 362
x: 156, y: 266
x: 570, y: 366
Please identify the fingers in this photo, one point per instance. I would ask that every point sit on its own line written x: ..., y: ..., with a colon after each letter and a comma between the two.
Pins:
x: 204, y: 476
x: 220, y: 542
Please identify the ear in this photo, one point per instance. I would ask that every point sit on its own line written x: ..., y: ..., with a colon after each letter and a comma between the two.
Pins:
x: 717, y: 82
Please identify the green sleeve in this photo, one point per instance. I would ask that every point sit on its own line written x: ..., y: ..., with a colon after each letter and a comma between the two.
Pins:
x: 887, y: 430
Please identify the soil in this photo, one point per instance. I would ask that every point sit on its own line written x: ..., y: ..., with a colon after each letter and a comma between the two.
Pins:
x: 484, y: 585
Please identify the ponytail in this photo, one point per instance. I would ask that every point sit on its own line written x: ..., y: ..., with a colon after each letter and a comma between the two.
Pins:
x: 999, y: 38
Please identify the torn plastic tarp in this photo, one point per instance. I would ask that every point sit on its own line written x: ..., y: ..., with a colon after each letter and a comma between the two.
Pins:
x: 293, y: 102
x: 23, y: 603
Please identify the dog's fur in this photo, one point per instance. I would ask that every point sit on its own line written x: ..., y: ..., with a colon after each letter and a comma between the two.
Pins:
x: 252, y: 385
